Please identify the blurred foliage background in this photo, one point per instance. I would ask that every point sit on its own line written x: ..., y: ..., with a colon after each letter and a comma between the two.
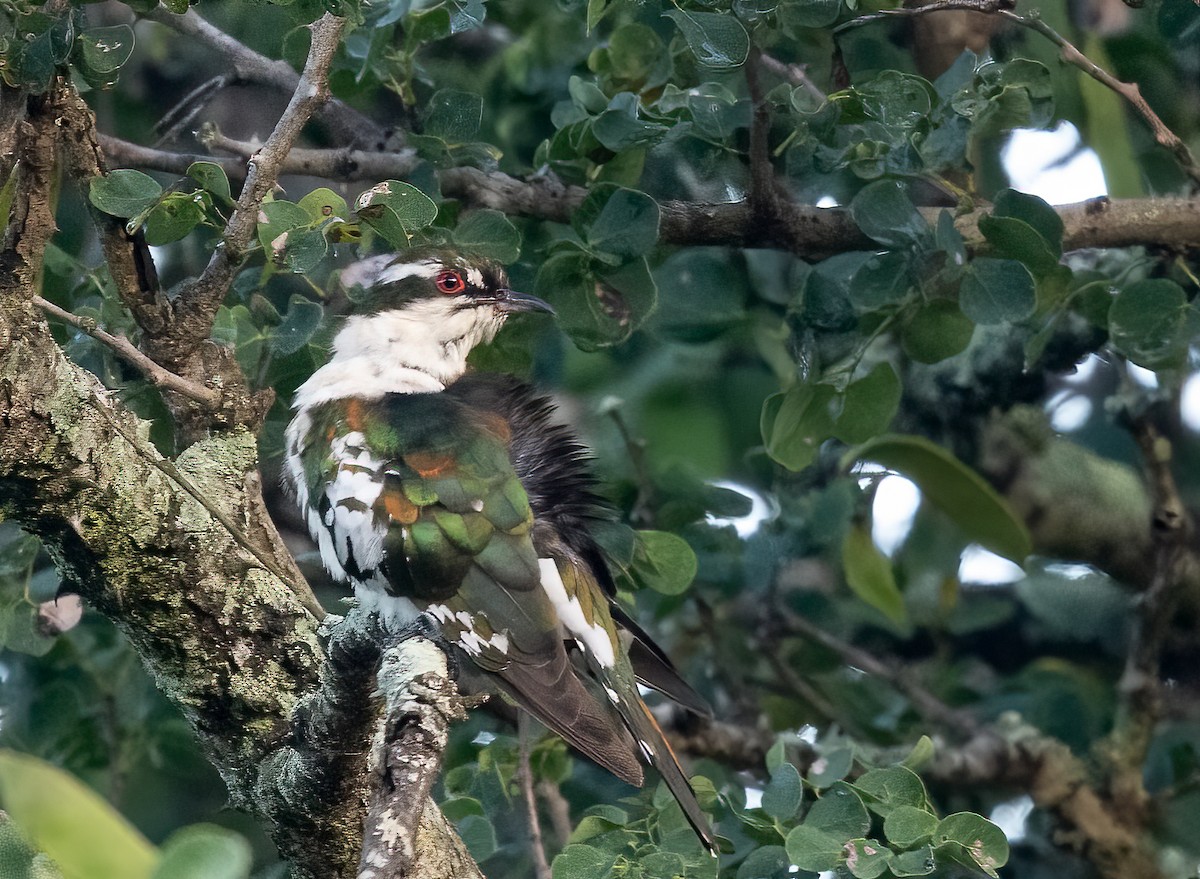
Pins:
x: 921, y: 471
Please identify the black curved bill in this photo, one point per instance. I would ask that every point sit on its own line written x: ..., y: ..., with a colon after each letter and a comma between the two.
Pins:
x: 512, y: 301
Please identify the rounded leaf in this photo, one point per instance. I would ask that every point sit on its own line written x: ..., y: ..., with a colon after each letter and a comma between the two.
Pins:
x: 718, y: 40
x: 60, y: 816
x: 997, y: 291
x: 886, y: 214
x: 782, y: 796
x: 935, y: 331
x: 204, y: 851
x: 124, y: 192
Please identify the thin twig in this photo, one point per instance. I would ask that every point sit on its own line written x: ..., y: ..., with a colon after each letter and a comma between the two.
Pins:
x: 201, y: 298
x: 765, y: 197
x: 250, y: 66
x: 559, y: 810
x: 537, y: 848
x: 929, y: 705
x: 337, y: 164
x: 796, y: 74
x: 127, y: 351
x: 1070, y: 54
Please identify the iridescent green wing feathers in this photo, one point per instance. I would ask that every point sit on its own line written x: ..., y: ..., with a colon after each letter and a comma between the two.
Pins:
x: 419, y: 498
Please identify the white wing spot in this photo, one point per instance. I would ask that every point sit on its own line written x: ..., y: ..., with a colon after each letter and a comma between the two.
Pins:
x: 612, y: 695
x: 646, y: 749
x: 591, y: 637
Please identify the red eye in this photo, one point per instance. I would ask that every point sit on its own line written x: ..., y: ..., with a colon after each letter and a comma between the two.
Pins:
x: 450, y: 283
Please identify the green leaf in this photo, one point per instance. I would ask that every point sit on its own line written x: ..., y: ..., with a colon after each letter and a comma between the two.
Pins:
x: 276, y: 220
x: 173, y: 218
x: 783, y: 794
x: 617, y: 221
x: 952, y: 487
x: 596, y: 312
x: 85, y: 836
x: 211, y: 177
x: 981, y: 840
x: 124, y: 192
x: 834, y: 765
x: 921, y: 753
x: 302, y: 319
x: 323, y: 205
x: 595, y: 12
x: 808, y: 13
x: 101, y: 51
x: 796, y: 422
x: 479, y: 835
x: 935, y: 331
x: 767, y: 862
x: 578, y: 861
x: 881, y: 281
x: 1018, y: 240
x: 717, y: 40
x: 704, y: 294
x: 867, y: 858
x: 813, y: 849
x: 870, y: 404
x: 305, y: 248
x: 908, y: 826
x: 454, y: 116
x: 892, y: 786
x: 664, y: 562
x: 204, y: 851
x: 869, y: 575
x: 489, y: 234
x: 1034, y: 212
x: 997, y: 291
x: 839, y: 812
x: 1146, y: 321
x: 886, y: 214
x: 919, y: 862
x: 396, y: 210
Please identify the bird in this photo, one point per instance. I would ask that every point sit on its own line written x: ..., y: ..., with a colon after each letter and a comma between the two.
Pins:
x: 434, y: 489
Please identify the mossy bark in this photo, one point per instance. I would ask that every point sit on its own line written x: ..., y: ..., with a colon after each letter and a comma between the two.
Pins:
x: 225, y: 638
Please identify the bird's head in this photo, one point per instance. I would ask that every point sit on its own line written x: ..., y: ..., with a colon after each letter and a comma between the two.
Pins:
x: 426, y: 309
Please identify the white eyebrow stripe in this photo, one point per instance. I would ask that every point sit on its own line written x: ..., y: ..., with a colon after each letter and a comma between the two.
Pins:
x: 399, y: 271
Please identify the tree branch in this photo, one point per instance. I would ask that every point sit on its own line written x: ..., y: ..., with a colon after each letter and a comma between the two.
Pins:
x: 811, y: 232
x: 250, y: 66
x: 421, y: 701
x: 129, y: 352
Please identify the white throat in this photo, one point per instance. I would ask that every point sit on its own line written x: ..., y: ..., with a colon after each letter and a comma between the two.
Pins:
x: 418, y: 349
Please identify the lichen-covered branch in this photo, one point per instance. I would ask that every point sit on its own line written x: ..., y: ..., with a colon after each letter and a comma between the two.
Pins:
x: 420, y: 702
x: 198, y: 588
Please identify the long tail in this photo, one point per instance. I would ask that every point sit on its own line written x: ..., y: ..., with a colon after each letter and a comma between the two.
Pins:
x: 651, y: 739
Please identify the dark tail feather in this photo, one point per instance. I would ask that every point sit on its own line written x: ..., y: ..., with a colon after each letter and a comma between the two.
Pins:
x: 654, y: 668
x: 658, y: 751
x: 552, y: 694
